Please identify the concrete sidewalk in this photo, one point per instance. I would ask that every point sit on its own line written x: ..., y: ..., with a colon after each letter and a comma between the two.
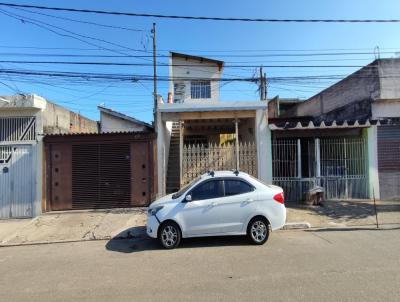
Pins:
x: 340, y: 213
x: 72, y: 226
x: 128, y: 223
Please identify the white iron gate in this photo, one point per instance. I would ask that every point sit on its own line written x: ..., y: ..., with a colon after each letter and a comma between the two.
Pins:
x: 16, y: 181
x: 339, y: 165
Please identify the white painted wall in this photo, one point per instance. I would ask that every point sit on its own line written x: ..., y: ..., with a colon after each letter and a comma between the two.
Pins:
x: 110, y: 123
x: 263, y: 140
x: 164, y: 130
x: 208, y: 70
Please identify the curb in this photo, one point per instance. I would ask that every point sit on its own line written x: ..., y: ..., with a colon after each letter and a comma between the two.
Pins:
x: 297, y: 226
x: 105, y: 238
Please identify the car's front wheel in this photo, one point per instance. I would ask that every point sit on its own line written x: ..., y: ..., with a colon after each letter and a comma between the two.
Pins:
x: 169, y: 235
x: 258, y: 230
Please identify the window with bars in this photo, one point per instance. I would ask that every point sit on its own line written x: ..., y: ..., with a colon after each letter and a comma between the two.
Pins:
x: 200, y: 89
x: 17, y: 129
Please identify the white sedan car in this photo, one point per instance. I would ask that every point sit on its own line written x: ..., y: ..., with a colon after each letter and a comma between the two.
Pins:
x: 216, y: 204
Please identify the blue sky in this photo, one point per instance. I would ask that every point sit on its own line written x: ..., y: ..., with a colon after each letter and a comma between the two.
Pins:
x: 233, y: 42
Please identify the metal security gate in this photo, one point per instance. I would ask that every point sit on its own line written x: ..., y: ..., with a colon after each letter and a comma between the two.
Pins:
x: 16, y: 181
x: 101, y: 176
x: 198, y: 159
x: 389, y: 161
x: 339, y: 165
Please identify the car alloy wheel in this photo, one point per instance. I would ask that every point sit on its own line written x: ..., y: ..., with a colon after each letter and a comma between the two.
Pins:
x: 258, y: 231
x: 170, y: 235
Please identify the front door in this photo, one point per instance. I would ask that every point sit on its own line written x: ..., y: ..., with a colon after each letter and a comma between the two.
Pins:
x: 199, y: 216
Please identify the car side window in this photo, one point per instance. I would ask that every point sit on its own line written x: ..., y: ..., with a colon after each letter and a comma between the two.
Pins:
x: 235, y: 187
x: 207, y: 190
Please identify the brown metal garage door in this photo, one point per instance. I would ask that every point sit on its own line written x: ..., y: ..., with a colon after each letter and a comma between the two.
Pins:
x: 101, y: 176
x: 98, y: 171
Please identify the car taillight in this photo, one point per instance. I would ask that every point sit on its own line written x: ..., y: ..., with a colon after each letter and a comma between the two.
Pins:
x: 279, y: 198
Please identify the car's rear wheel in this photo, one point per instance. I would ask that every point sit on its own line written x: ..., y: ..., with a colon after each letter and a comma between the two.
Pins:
x: 258, y: 230
x: 169, y: 235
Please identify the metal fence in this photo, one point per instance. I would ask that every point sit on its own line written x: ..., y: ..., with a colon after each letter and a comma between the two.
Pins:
x: 338, y: 165
x: 198, y: 159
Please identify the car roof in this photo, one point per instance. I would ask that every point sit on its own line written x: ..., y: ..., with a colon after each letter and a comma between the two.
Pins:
x: 224, y: 173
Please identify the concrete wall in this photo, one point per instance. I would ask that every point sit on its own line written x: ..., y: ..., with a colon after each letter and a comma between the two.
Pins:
x: 385, y: 108
x: 207, y: 70
x: 389, y: 78
x: 57, y: 119
x: 358, y: 88
x: 110, y: 123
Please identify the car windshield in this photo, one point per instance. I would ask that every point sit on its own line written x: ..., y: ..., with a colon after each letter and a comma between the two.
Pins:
x: 184, y: 189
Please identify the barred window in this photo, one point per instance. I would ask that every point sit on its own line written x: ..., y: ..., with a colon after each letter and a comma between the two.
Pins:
x: 200, y: 90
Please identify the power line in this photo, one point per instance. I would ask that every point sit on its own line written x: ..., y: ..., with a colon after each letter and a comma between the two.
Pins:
x: 83, y: 22
x: 138, y: 77
x: 207, y: 51
x: 202, y: 18
x: 167, y: 56
x: 175, y: 65
x: 76, y: 36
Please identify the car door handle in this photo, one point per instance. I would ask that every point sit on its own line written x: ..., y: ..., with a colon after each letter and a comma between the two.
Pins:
x: 248, y: 200
x: 212, y: 204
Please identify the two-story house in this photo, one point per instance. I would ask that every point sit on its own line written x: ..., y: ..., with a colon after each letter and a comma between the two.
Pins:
x: 197, y: 132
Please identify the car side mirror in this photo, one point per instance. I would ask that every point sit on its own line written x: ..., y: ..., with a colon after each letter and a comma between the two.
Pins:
x: 188, y: 198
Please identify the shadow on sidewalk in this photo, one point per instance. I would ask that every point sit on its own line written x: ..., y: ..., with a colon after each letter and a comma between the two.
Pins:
x: 135, y: 240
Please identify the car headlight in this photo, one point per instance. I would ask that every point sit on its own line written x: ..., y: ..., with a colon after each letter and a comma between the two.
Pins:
x: 154, y: 211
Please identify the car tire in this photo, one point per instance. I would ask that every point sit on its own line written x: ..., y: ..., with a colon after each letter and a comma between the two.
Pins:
x: 258, y: 230
x: 169, y: 235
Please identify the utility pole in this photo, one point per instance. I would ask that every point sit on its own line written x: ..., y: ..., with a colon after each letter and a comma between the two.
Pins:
x: 263, y: 85
x: 153, y: 31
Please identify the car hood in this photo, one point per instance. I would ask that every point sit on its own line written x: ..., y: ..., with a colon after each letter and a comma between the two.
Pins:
x: 164, y: 200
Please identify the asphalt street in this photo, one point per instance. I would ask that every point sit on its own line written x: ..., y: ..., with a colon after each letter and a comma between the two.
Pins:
x: 315, y: 265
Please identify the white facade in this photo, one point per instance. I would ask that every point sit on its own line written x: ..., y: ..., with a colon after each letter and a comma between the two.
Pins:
x: 112, y: 121
x: 168, y: 113
x: 188, y: 71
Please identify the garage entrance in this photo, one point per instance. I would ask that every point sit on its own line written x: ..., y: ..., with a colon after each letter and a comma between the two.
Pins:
x: 99, y: 171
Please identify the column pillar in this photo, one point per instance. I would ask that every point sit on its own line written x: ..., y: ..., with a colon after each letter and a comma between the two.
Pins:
x: 180, y: 153
x: 237, y: 143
